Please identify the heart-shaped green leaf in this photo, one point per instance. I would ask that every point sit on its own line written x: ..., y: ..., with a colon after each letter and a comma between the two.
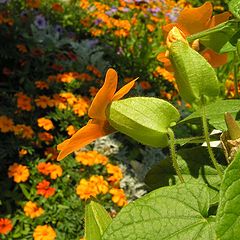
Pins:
x: 195, y: 77
x: 145, y: 119
x: 176, y: 212
x: 228, y: 214
x: 215, y: 113
x: 194, y: 163
x: 234, y: 7
x: 96, y: 221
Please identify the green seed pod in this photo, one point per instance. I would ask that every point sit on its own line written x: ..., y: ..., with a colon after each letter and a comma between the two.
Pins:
x: 195, y: 77
x: 145, y: 119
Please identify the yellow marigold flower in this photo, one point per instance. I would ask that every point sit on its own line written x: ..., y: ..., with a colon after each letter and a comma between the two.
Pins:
x: 55, y: 171
x: 32, y: 210
x: 22, y: 152
x: 6, y: 124
x: 71, y: 130
x: 118, y: 196
x: 101, y: 184
x: 86, y: 189
x: 19, y: 173
x: 45, y: 123
x: 91, y: 158
x: 116, y: 173
x: 69, y: 97
x: 23, y: 131
x: 80, y: 107
x: 44, y: 232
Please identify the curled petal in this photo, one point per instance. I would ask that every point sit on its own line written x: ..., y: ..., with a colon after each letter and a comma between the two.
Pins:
x: 87, y: 134
x: 215, y: 59
x: 124, y: 90
x: 219, y: 18
x: 193, y: 20
x: 104, y: 96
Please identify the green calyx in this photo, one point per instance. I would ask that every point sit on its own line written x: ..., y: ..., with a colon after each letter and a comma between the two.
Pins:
x: 145, y: 119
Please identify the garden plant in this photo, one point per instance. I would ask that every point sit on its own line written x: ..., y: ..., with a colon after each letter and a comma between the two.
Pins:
x: 157, y: 158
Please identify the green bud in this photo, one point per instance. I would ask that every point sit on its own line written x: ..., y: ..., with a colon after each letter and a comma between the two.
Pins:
x: 145, y: 119
x: 232, y: 126
x: 195, y: 77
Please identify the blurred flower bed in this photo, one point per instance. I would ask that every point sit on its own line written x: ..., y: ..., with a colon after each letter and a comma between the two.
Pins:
x: 54, y: 55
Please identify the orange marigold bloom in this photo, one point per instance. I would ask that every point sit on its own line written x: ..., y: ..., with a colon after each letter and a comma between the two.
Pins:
x: 19, y: 173
x: 101, y: 184
x: 44, y: 102
x: 94, y: 70
x: 69, y: 97
x: 87, y: 189
x: 45, y: 137
x: 44, y: 232
x: 91, y: 158
x: 41, y: 85
x: 118, y: 197
x: 116, y: 173
x: 145, y: 85
x: 93, y: 91
x: 32, y: 210
x: 6, y: 124
x: 44, y: 189
x: 80, y: 107
x: 71, y: 130
x: 44, y: 168
x: 33, y: 3
x: 23, y: 131
x: 45, y: 123
x: 5, y: 225
x: 21, y: 48
x: 57, y: 7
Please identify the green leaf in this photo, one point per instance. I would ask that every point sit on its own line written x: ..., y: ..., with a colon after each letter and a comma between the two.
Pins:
x: 234, y: 7
x: 145, y: 119
x: 228, y: 214
x: 195, y: 77
x: 215, y: 113
x: 176, y: 212
x: 231, y: 45
x: 215, y: 38
x: 96, y: 221
x: 194, y: 163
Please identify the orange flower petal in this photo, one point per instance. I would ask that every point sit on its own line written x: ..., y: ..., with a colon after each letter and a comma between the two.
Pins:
x: 219, y: 18
x: 193, y: 20
x: 214, y: 58
x: 93, y: 130
x: 104, y: 96
x: 124, y: 90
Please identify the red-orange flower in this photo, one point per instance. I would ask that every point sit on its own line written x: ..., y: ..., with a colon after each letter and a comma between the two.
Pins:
x: 98, y: 126
x: 5, y: 225
x: 44, y: 189
x: 194, y: 20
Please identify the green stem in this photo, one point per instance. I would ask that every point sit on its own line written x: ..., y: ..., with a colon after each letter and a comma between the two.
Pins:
x: 235, y: 75
x: 207, y: 138
x: 174, y: 155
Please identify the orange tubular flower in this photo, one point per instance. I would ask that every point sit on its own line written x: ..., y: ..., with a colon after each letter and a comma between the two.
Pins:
x: 98, y: 126
x: 194, y: 20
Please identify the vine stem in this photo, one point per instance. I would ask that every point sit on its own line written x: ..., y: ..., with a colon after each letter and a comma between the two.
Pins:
x: 173, y: 154
x: 207, y: 138
x: 235, y: 75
